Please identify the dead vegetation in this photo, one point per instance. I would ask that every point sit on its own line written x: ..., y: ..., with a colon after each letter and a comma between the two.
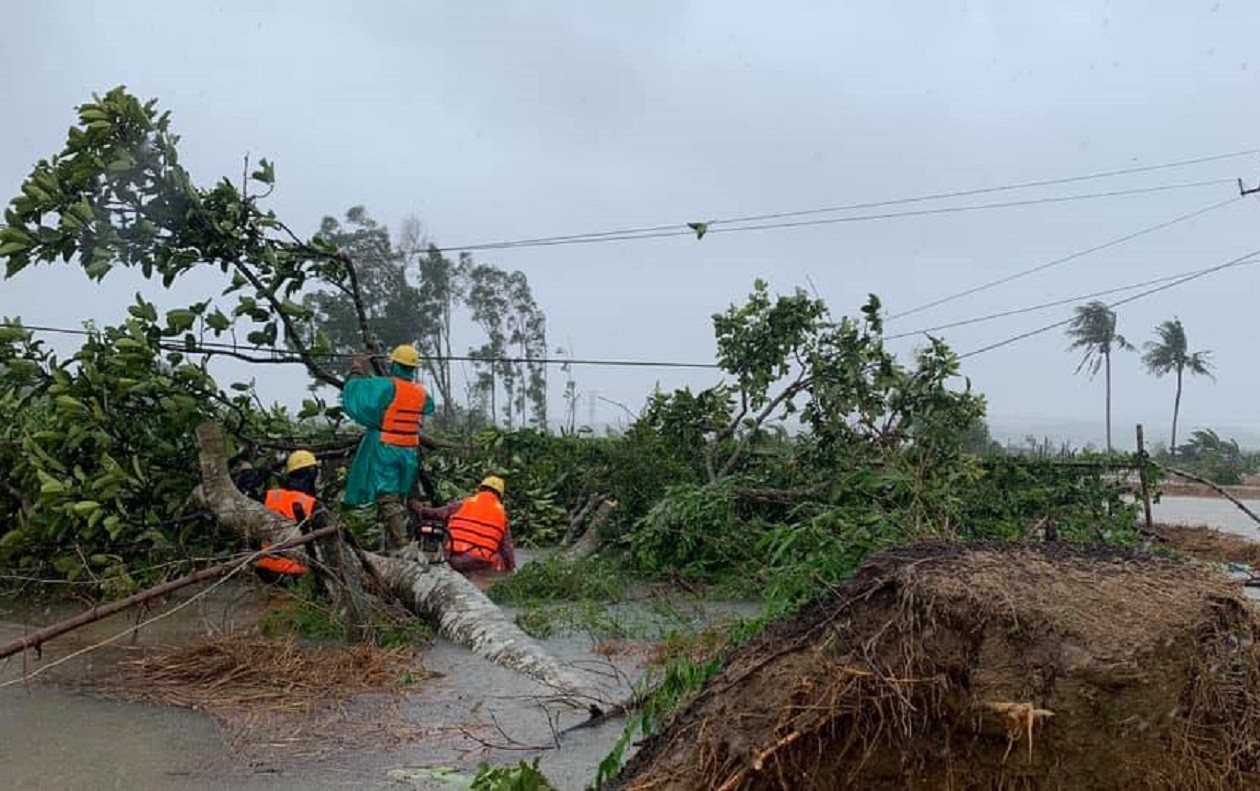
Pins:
x: 951, y: 666
x: 279, y: 695
x: 1210, y: 544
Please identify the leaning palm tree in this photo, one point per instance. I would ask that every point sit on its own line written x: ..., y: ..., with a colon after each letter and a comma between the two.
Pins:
x: 1094, y: 330
x: 1168, y: 354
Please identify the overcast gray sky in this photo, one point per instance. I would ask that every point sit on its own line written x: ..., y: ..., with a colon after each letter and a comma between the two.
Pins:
x: 506, y: 120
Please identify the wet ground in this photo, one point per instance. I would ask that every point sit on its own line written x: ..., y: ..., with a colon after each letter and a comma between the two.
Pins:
x: 51, y: 738
x: 474, y: 711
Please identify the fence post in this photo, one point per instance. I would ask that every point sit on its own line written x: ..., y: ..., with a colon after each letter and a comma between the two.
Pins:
x: 1146, y: 492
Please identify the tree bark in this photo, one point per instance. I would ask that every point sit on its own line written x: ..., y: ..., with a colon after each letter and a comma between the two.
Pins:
x: 1107, y: 364
x: 1172, y: 445
x: 588, y: 544
x: 463, y: 613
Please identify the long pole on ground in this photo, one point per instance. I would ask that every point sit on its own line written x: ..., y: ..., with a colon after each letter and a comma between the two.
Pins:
x: 1215, y: 487
x: 38, y: 638
x: 1142, y: 462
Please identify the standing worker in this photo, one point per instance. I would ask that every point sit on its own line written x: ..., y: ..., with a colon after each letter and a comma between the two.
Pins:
x: 386, y: 465
x: 478, y: 535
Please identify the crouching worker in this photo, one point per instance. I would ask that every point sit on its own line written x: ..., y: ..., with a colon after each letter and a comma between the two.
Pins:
x: 478, y: 535
x: 295, y: 500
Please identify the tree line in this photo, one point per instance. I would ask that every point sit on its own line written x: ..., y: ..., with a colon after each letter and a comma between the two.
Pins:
x: 1093, y: 332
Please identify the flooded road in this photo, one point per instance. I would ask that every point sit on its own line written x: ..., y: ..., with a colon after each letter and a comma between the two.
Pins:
x: 54, y: 738
x: 1213, y: 512
x: 473, y: 711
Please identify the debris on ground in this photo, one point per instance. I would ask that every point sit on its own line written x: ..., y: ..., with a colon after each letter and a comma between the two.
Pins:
x: 1210, y: 544
x: 280, y: 694
x: 984, y: 666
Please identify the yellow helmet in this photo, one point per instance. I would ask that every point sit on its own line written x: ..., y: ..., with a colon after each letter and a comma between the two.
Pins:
x: 405, y: 354
x: 493, y: 483
x: 298, y: 460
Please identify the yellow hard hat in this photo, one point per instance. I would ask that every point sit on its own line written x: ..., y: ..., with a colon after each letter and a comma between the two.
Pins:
x: 405, y: 354
x: 299, y: 459
x: 494, y: 483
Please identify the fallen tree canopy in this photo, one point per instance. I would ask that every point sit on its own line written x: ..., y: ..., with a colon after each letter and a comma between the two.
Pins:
x: 461, y: 611
x: 984, y: 666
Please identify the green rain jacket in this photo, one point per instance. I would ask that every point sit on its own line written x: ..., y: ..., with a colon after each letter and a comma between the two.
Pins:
x: 378, y: 468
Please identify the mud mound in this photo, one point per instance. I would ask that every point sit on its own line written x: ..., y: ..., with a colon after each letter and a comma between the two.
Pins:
x: 984, y: 666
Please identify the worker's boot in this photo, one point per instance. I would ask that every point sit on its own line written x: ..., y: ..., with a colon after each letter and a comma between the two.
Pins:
x: 393, y: 517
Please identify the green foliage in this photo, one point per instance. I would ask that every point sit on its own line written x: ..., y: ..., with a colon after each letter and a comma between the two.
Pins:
x: 522, y: 777
x: 694, y: 531
x: 306, y: 614
x: 1085, y: 497
x: 550, y: 580
x: 1220, y: 461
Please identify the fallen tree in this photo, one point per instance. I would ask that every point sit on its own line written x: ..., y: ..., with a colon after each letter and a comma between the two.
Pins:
x: 461, y: 611
x: 945, y: 665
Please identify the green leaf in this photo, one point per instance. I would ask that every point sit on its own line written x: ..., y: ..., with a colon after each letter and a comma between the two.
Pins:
x: 180, y: 319
x: 218, y: 322
x: 9, y: 248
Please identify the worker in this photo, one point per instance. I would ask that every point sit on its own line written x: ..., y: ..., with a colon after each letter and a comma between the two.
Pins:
x: 386, y: 466
x: 479, y: 537
x: 293, y: 499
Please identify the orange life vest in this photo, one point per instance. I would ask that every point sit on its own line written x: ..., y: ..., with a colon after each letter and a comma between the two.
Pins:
x: 282, y: 501
x: 401, y: 423
x: 478, y: 527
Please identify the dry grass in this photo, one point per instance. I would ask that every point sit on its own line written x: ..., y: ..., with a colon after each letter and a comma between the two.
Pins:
x: 1210, y: 544
x: 279, y: 696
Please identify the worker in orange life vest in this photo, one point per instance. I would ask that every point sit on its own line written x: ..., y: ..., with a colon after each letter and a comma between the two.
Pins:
x: 479, y: 537
x: 294, y: 499
x: 386, y: 466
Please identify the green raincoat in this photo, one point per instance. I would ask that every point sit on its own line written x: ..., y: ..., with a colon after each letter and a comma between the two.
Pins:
x: 378, y: 468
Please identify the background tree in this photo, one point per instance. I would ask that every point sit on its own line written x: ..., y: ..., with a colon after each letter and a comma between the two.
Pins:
x: 1093, y: 329
x: 1168, y: 354
x: 389, y: 301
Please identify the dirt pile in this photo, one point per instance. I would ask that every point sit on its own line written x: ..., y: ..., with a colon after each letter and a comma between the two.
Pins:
x: 982, y: 666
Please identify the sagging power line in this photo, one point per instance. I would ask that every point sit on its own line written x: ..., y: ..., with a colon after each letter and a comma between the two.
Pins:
x: 1064, y: 259
x: 1054, y: 304
x: 1117, y: 303
x: 678, y: 228
x: 693, y: 229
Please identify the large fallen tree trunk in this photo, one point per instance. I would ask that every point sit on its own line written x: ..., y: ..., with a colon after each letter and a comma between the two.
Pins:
x: 462, y: 612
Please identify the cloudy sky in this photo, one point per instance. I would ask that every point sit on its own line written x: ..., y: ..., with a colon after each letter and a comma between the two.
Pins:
x: 495, y: 121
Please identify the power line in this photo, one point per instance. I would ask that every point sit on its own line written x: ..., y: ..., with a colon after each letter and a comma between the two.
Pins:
x: 674, y: 231
x: 676, y: 228
x: 279, y: 355
x: 1065, y: 259
x: 1042, y: 306
x: 1117, y: 303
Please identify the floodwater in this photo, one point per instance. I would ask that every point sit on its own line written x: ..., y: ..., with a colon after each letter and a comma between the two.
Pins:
x: 1211, y: 511
x: 52, y: 737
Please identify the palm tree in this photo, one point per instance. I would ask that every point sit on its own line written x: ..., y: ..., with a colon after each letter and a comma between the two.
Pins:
x: 1168, y: 355
x: 1094, y: 330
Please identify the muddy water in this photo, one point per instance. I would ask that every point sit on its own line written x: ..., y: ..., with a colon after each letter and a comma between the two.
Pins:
x: 475, y: 711
x: 1213, y: 512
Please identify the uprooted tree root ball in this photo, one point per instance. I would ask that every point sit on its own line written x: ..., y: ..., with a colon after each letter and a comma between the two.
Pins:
x: 984, y: 666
